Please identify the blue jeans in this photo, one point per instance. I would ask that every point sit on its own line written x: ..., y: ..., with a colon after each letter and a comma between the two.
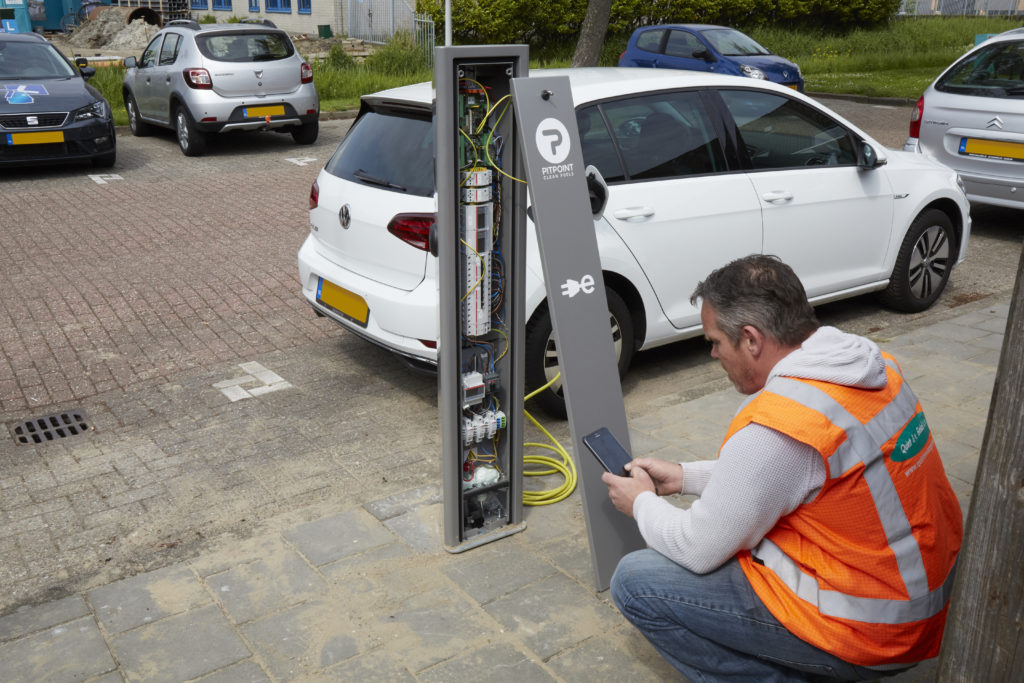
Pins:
x: 713, y: 627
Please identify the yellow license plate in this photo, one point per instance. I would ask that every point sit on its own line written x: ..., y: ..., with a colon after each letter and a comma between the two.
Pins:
x: 37, y: 138
x: 259, y: 112
x: 349, y: 304
x: 992, y: 148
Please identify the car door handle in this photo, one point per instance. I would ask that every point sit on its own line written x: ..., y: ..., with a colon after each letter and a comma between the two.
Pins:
x: 777, y: 196
x: 634, y: 213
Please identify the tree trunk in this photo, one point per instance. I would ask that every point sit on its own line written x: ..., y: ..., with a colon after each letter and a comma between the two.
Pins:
x: 984, y: 638
x: 595, y: 25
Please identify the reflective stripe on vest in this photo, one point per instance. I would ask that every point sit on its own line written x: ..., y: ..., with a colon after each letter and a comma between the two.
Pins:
x: 863, y: 445
x: 841, y: 605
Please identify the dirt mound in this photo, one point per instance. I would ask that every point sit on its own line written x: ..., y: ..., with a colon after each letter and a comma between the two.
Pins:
x: 107, y: 29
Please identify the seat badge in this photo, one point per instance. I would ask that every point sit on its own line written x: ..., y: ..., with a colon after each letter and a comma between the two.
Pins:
x: 345, y: 216
x: 32, y: 120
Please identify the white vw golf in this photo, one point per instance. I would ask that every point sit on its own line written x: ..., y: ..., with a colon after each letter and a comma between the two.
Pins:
x: 701, y: 169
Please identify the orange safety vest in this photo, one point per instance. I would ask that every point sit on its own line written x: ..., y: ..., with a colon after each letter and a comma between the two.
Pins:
x: 865, y: 569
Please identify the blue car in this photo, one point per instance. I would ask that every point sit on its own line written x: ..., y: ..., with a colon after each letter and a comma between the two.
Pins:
x: 704, y: 47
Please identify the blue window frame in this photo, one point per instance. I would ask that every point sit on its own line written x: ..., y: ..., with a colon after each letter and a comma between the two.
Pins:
x: 222, y: 4
x: 254, y: 5
x: 305, y: 6
x: 199, y: 4
x: 279, y: 6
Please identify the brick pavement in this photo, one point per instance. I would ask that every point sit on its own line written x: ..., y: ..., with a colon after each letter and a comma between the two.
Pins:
x: 357, y: 587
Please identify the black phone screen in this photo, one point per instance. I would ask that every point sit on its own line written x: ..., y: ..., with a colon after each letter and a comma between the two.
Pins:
x: 608, y: 451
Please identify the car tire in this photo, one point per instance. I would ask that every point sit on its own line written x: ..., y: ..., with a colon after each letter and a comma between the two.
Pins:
x: 542, y: 357
x: 191, y: 140
x: 105, y: 160
x: 138, y: 127
x: 923, y: 264
x: 306, y: 134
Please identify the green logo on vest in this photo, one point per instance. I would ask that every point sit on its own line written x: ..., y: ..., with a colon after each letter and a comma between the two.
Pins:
x: 911, y: 440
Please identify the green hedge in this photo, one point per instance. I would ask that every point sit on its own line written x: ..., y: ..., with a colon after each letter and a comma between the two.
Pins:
x: 537, y: 22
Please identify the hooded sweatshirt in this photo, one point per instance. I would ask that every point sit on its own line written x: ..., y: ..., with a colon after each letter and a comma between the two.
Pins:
x: 761, y: 475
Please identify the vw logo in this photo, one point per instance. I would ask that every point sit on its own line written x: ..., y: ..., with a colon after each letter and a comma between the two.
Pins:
x: 345, y: 215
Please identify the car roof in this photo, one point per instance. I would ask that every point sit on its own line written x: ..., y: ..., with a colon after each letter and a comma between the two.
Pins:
x: 244, y: 25
x: 692, y: 27
x: 23, y: 38
x: 590, y: 84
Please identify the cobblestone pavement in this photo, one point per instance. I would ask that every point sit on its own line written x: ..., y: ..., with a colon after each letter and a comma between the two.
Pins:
x: 239, y: 446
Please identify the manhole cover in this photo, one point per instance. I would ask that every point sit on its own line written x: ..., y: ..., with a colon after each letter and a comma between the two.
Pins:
x: 50, y: 427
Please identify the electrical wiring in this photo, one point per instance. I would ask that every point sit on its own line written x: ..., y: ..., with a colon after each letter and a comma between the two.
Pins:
x: 563, y: 466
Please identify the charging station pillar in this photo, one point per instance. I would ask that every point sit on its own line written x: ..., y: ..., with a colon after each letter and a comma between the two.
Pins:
x: 576, y: 300
x: 481, y: 246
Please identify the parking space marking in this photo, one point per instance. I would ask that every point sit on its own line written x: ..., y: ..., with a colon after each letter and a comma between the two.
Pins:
x: 102, y: 178
x: 301, y: 161
x: 270, y: 380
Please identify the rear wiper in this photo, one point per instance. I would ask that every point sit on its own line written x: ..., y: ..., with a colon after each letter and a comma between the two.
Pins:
x: 373, y: 180
x: 264, y: 57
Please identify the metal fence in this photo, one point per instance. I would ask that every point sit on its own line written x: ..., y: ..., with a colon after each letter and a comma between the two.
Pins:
x: 972, y: 8
x: 375, y: 21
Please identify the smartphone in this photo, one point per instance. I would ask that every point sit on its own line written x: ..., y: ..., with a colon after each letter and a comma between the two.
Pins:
x: 608, y: 451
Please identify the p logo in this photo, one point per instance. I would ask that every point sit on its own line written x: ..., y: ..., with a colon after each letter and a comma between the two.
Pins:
x: 552, y: 141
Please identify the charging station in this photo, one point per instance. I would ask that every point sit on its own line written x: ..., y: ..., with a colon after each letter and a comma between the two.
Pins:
x: 481, y: 248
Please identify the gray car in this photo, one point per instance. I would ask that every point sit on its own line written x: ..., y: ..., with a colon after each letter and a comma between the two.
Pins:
x: 972, y: 120
x: 200, y: 79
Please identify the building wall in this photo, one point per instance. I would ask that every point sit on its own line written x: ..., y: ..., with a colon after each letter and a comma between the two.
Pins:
x: 322, y: 13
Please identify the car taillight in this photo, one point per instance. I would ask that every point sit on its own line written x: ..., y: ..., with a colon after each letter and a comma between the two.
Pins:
x: 413, y: 228
x: 621, y: 56
x: 306, y: 73
x: 915, y: 118
x: 198, y: 79
x: 314, y: 196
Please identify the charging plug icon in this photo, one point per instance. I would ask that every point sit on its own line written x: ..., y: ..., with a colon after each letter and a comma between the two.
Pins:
x: 571, y: 287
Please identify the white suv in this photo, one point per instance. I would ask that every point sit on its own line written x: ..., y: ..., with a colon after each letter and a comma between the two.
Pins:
x: 701, y: 169
x: 214, y: 78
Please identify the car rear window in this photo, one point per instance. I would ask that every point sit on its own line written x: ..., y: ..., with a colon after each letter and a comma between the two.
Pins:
x: 248, y: 46
x: 994, y: 71
x: 389, y: 149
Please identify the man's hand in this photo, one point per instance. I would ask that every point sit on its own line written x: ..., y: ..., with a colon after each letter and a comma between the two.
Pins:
x: 667, y: 476
x: 624, y: 490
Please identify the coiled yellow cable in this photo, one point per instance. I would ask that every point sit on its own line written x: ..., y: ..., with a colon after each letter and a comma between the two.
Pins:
x: 564, y: 466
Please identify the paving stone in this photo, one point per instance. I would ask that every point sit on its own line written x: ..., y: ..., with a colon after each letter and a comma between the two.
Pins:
x: 267, y: 585
x: 400, y: 503
x: 329, y: 539
x: 304, y: 639
x: 553, y: 615
x: 494, y: 570
x: 621, y: 655
x: 73, y: 651
x: 148, y: 597
x: 242, y: 672
x: 179, y: 648
x: 370, y: 668
x: 29, y: 619
x: 499, y: 663
x: 421, y: 528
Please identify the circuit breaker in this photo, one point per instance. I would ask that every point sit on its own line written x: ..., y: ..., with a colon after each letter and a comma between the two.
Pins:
x: 481, y: 247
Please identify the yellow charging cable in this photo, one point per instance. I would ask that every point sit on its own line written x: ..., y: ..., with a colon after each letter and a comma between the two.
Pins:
x: 564, y: 466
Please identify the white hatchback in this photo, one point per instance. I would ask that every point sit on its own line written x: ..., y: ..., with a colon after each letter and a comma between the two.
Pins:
x: 701, y: 169
x: 972, y: 120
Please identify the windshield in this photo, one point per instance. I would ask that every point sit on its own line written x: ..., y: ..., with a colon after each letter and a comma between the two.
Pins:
x: 390, y: 150
x: 256, y: 46
x: 20, y: 61
x: 732, y: 43
x: 994, y: 71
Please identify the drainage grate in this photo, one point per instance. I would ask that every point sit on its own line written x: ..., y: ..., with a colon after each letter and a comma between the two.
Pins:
x: 50, y: 427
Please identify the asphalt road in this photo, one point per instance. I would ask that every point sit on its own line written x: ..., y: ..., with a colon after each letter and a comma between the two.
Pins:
x: 134, y: 293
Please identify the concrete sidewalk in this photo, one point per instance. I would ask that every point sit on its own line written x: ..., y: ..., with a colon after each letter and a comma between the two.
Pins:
x: 365, y: 592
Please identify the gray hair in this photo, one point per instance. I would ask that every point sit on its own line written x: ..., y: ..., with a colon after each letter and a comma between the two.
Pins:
x: 761, y: 291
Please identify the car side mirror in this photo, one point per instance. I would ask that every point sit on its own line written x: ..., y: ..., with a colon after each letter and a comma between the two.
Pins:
x: 87, y: 71
x: 597, y: 188
x: 704, y: 54
x: 130, y: 62
x: 869, y: 158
